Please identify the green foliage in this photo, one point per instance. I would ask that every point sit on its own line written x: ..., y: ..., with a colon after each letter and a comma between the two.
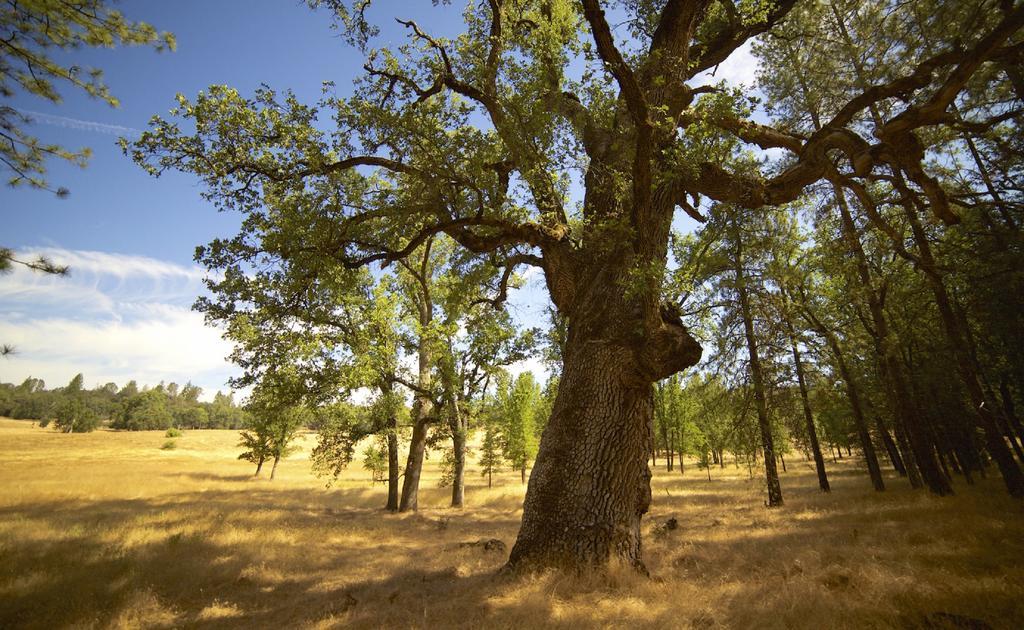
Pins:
x: 169, y: 445
x: 447, y: 476
x: 375, y: 460
x: 469, y: 145
x: 73, y: 415
x: 516, y: 405
x: 144, y: 411
x: 490, y: 458
x: 275, y: 415
x: 339, y: 426
x: 173, y: 433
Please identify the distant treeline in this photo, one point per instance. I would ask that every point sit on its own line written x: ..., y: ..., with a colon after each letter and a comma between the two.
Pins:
x: 73, y: 408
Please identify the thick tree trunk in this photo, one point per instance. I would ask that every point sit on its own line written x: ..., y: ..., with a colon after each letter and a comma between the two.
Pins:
x: 812, y: 432
x: 422, y: 410
x: 590, y: 484
x: 414, y: 466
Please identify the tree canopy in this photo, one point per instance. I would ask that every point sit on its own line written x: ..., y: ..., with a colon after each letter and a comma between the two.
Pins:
x: 540, y: 136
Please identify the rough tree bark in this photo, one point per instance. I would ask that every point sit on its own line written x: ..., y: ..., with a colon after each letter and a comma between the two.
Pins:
x: 414, y: 462
x: 590, y: 483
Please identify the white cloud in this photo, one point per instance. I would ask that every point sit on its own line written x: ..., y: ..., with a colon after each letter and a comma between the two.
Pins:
x: 739, y: 68
x: 115, y: 318
x: 533, y: 364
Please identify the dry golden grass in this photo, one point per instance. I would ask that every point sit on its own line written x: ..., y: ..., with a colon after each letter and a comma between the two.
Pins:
x: 108, y: 530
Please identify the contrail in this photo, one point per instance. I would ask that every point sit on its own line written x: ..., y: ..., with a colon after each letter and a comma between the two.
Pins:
x: 82, y: 125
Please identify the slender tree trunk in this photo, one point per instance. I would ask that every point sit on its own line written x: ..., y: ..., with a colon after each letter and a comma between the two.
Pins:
x: 812, y: 432
x: 393, y: 466
x: 1006, y: 397
x: 913, y: 472
x: 983, y: 408
x: 259, y: 466
x: 890, y: 447
x: 273, y: 470
x: 924, y: 454
x: 664, y: 440
x: 763, y: 422
x: 459, y: 430
x: 853, y: 394
x: 391, y: 432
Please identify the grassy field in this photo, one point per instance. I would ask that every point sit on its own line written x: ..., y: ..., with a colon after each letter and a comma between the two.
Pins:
x: 108, y: 530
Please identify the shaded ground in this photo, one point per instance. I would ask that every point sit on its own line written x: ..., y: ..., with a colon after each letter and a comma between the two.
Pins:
x: 108, y: 530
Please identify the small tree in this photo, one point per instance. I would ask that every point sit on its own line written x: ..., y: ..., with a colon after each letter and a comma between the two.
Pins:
x: 519, y: 444
x: 376, y: 460
x: 256, y: 442
x: 73, y: 415
x: 490, y: 450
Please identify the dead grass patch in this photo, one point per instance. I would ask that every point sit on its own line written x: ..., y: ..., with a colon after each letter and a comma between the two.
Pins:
x: 106, y: 530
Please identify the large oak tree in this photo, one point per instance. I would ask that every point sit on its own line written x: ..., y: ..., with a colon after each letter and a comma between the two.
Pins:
x: 480, y: 137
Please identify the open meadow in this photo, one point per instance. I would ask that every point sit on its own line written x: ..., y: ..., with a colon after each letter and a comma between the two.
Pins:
x: 105, y: 529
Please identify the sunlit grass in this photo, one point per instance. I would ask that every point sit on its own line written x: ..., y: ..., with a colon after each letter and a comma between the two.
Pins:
x: 108, y: 530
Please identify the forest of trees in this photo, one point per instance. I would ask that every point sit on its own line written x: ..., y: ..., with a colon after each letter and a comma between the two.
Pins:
x: 854, y: 279
x: 73, y: 408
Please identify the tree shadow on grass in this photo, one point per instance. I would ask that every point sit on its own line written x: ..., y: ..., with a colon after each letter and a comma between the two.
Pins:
x: 258, y: 556
x: 233, y: 558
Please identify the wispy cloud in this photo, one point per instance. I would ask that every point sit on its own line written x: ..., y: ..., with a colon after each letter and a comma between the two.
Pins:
x: 81, y: 125
x: 115, y: 318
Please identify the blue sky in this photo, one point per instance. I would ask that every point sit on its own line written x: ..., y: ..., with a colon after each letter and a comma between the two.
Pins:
x: 125, y: 310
